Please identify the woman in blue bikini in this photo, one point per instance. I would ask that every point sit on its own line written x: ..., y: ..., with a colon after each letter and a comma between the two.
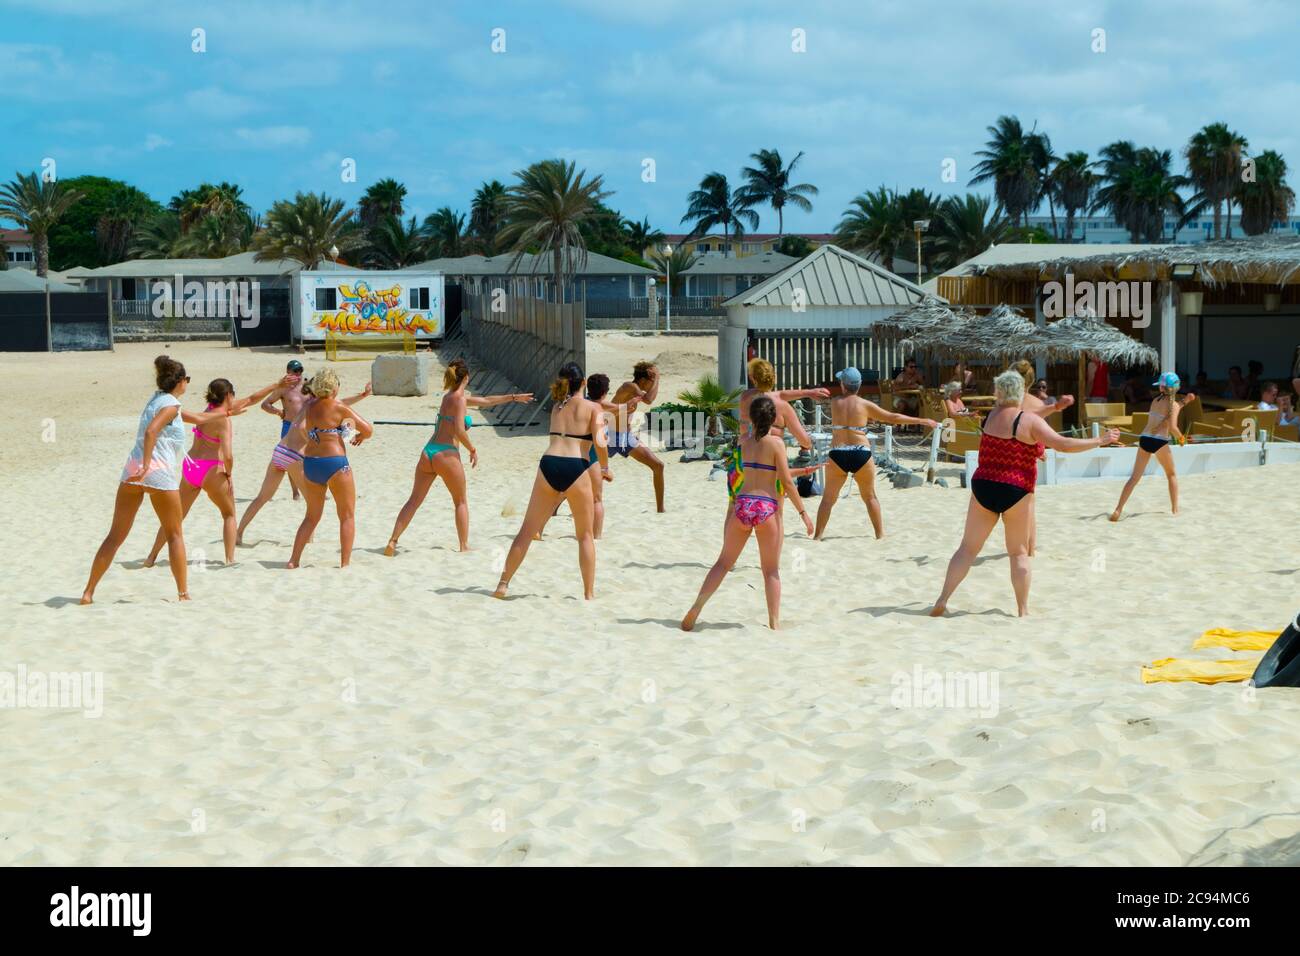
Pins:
x: 325, y: 464
x: 441, y: 455
x: 759, y: 476
x: 576, y: 426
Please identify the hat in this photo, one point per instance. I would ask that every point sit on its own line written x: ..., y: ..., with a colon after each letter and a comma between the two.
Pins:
x: 850, y: 377
x: 294, y: 366
x: 1168, y: 380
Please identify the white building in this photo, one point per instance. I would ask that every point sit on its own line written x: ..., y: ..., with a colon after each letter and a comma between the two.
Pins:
x: 16, y: 245
x: 1104, y: 229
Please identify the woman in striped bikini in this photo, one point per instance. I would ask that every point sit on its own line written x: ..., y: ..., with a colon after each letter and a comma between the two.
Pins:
x: 759, y: 475
x: 850, y: 455
x: 441, y: 455
x: 208, y: 465
x: 1003, y: 486
x: 325, y: 464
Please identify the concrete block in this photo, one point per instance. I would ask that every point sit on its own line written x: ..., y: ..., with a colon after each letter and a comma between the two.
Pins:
x: 404, y: 375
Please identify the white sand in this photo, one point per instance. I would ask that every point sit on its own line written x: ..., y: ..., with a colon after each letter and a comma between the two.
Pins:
x: 394, y: 713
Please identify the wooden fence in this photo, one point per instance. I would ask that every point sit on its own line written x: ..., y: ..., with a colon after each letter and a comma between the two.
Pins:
x: 806, y: 359
x: 524, y: 340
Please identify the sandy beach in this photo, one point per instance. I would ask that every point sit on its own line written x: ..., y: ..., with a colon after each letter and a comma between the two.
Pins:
x: 392, y: 713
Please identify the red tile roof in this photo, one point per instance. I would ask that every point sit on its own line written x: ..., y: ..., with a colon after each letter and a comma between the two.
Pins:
x: 15, y: 235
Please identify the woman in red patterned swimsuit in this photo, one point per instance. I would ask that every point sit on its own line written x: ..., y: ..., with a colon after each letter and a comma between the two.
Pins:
x: 1003, y: 486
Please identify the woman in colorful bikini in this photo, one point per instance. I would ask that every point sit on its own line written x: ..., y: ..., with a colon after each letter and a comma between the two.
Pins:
x: 759, y: 475
x: 325, y: 464
x: 209, y: 462
x: 441, y: 455
x: 287, y: 457
x: 153, y: 469
x: 850, y: 455
x: 1003, y: 486
x: 576, y: 425
x: 1162, y: 426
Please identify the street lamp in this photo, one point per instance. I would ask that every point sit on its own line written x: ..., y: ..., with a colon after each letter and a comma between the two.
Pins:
x: 920, y: 225
x: 668, y: 265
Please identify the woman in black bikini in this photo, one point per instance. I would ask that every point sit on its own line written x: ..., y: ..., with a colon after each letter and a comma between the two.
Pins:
x: 1162, y: 426
x: 1003, y: 486
x: 850, y: 455
x: 561, y: 476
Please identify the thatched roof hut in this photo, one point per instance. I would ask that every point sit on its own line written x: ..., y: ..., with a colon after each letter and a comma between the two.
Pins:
x: 1258, y: 259
x: 1003, y: 335
x: 1067, y: 339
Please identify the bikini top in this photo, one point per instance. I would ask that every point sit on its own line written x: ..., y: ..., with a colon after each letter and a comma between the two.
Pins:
x: 468, y: 421
x: 198, y: 432
x: 850, y: 428
x: 586, y: 437
x: 315, y: 433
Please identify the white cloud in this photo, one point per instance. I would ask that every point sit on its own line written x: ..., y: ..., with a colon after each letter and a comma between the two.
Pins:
x: 155, y: 141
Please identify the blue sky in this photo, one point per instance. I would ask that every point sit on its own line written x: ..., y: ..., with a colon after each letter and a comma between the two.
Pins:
x: 885, y: 92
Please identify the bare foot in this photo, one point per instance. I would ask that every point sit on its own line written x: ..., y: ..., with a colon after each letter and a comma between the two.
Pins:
x: 87, y: 598
x: 150, y: 561
x: 464, y: 548
x: 688, y: 622
x: 292, y: 566
x: 183, y: 596
x: 1114, y: 516
x: 939, y: 610
x: 500, y: 592
x: 391, y: 550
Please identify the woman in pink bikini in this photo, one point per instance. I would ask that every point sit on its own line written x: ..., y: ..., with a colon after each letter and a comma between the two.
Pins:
x: 151, y: 469
x: 207, y: 466
x: 759, y: 475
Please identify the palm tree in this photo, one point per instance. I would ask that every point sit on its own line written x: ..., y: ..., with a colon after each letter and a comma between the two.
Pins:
x: 674, y: 264
x: 159, y: 238
x: 1012, y: 161
x: 1268, y: 199
x: 546, y: 210
x: 769, y: 182
x: 306, y: 229
x: 1140, y: 190
x: 393, y: 244
x: 222, y: 200
x: 714, y: 204
x: 1040, y: 149
x: 1072, y: 183
x: 874, y: 225
x: 117, y: 224
x: 640, y: 236
x: 963, y: 229
x: 36, y: 205
x: 217, y: 236
x: 1214, y: 164
x: 710, y: 398
x: 487, y: 215
x: 381, y: 200
x: 444, y: 231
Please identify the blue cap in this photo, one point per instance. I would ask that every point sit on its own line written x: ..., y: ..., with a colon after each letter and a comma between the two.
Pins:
x: 850, y: 377
x: 1168, y: 380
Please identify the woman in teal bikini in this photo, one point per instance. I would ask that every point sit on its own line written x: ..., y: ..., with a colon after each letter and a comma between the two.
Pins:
x: 325, y: 464
x: 441, y: 456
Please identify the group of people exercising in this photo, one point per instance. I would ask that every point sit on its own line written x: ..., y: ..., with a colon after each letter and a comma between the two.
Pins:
x: 587, y: 424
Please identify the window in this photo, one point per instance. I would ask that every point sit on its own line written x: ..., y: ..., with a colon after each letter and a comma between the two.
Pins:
x: 128, y: 289
x: 702, y: 247
x: 420, y: 298
x: 326, y: 300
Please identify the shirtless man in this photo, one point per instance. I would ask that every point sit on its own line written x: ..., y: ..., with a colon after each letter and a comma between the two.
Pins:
x: 644, y: 386
x: 287, y: 457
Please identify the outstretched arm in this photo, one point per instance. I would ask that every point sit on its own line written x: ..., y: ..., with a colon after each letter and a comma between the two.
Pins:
x: 1039, y: 430
x: 894, y: 418
x: 788, y: 418
x: 794, y: 394
x: 364, y: 393
x: 490, y: 401
x: 261, y: 393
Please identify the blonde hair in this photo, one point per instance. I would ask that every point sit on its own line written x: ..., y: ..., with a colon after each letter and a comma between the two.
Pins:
x: 1009, y: 388
x: 456, y: 373
x: 1026, y: 372
x: 324, y: 383
x: 762, y: 374
x: 952, y: 389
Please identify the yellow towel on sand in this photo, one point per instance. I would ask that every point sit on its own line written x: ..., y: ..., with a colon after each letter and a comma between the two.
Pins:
x: 1174, y: 669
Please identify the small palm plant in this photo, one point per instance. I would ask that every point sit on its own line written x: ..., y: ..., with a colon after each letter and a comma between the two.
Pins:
x: 715, y: 402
